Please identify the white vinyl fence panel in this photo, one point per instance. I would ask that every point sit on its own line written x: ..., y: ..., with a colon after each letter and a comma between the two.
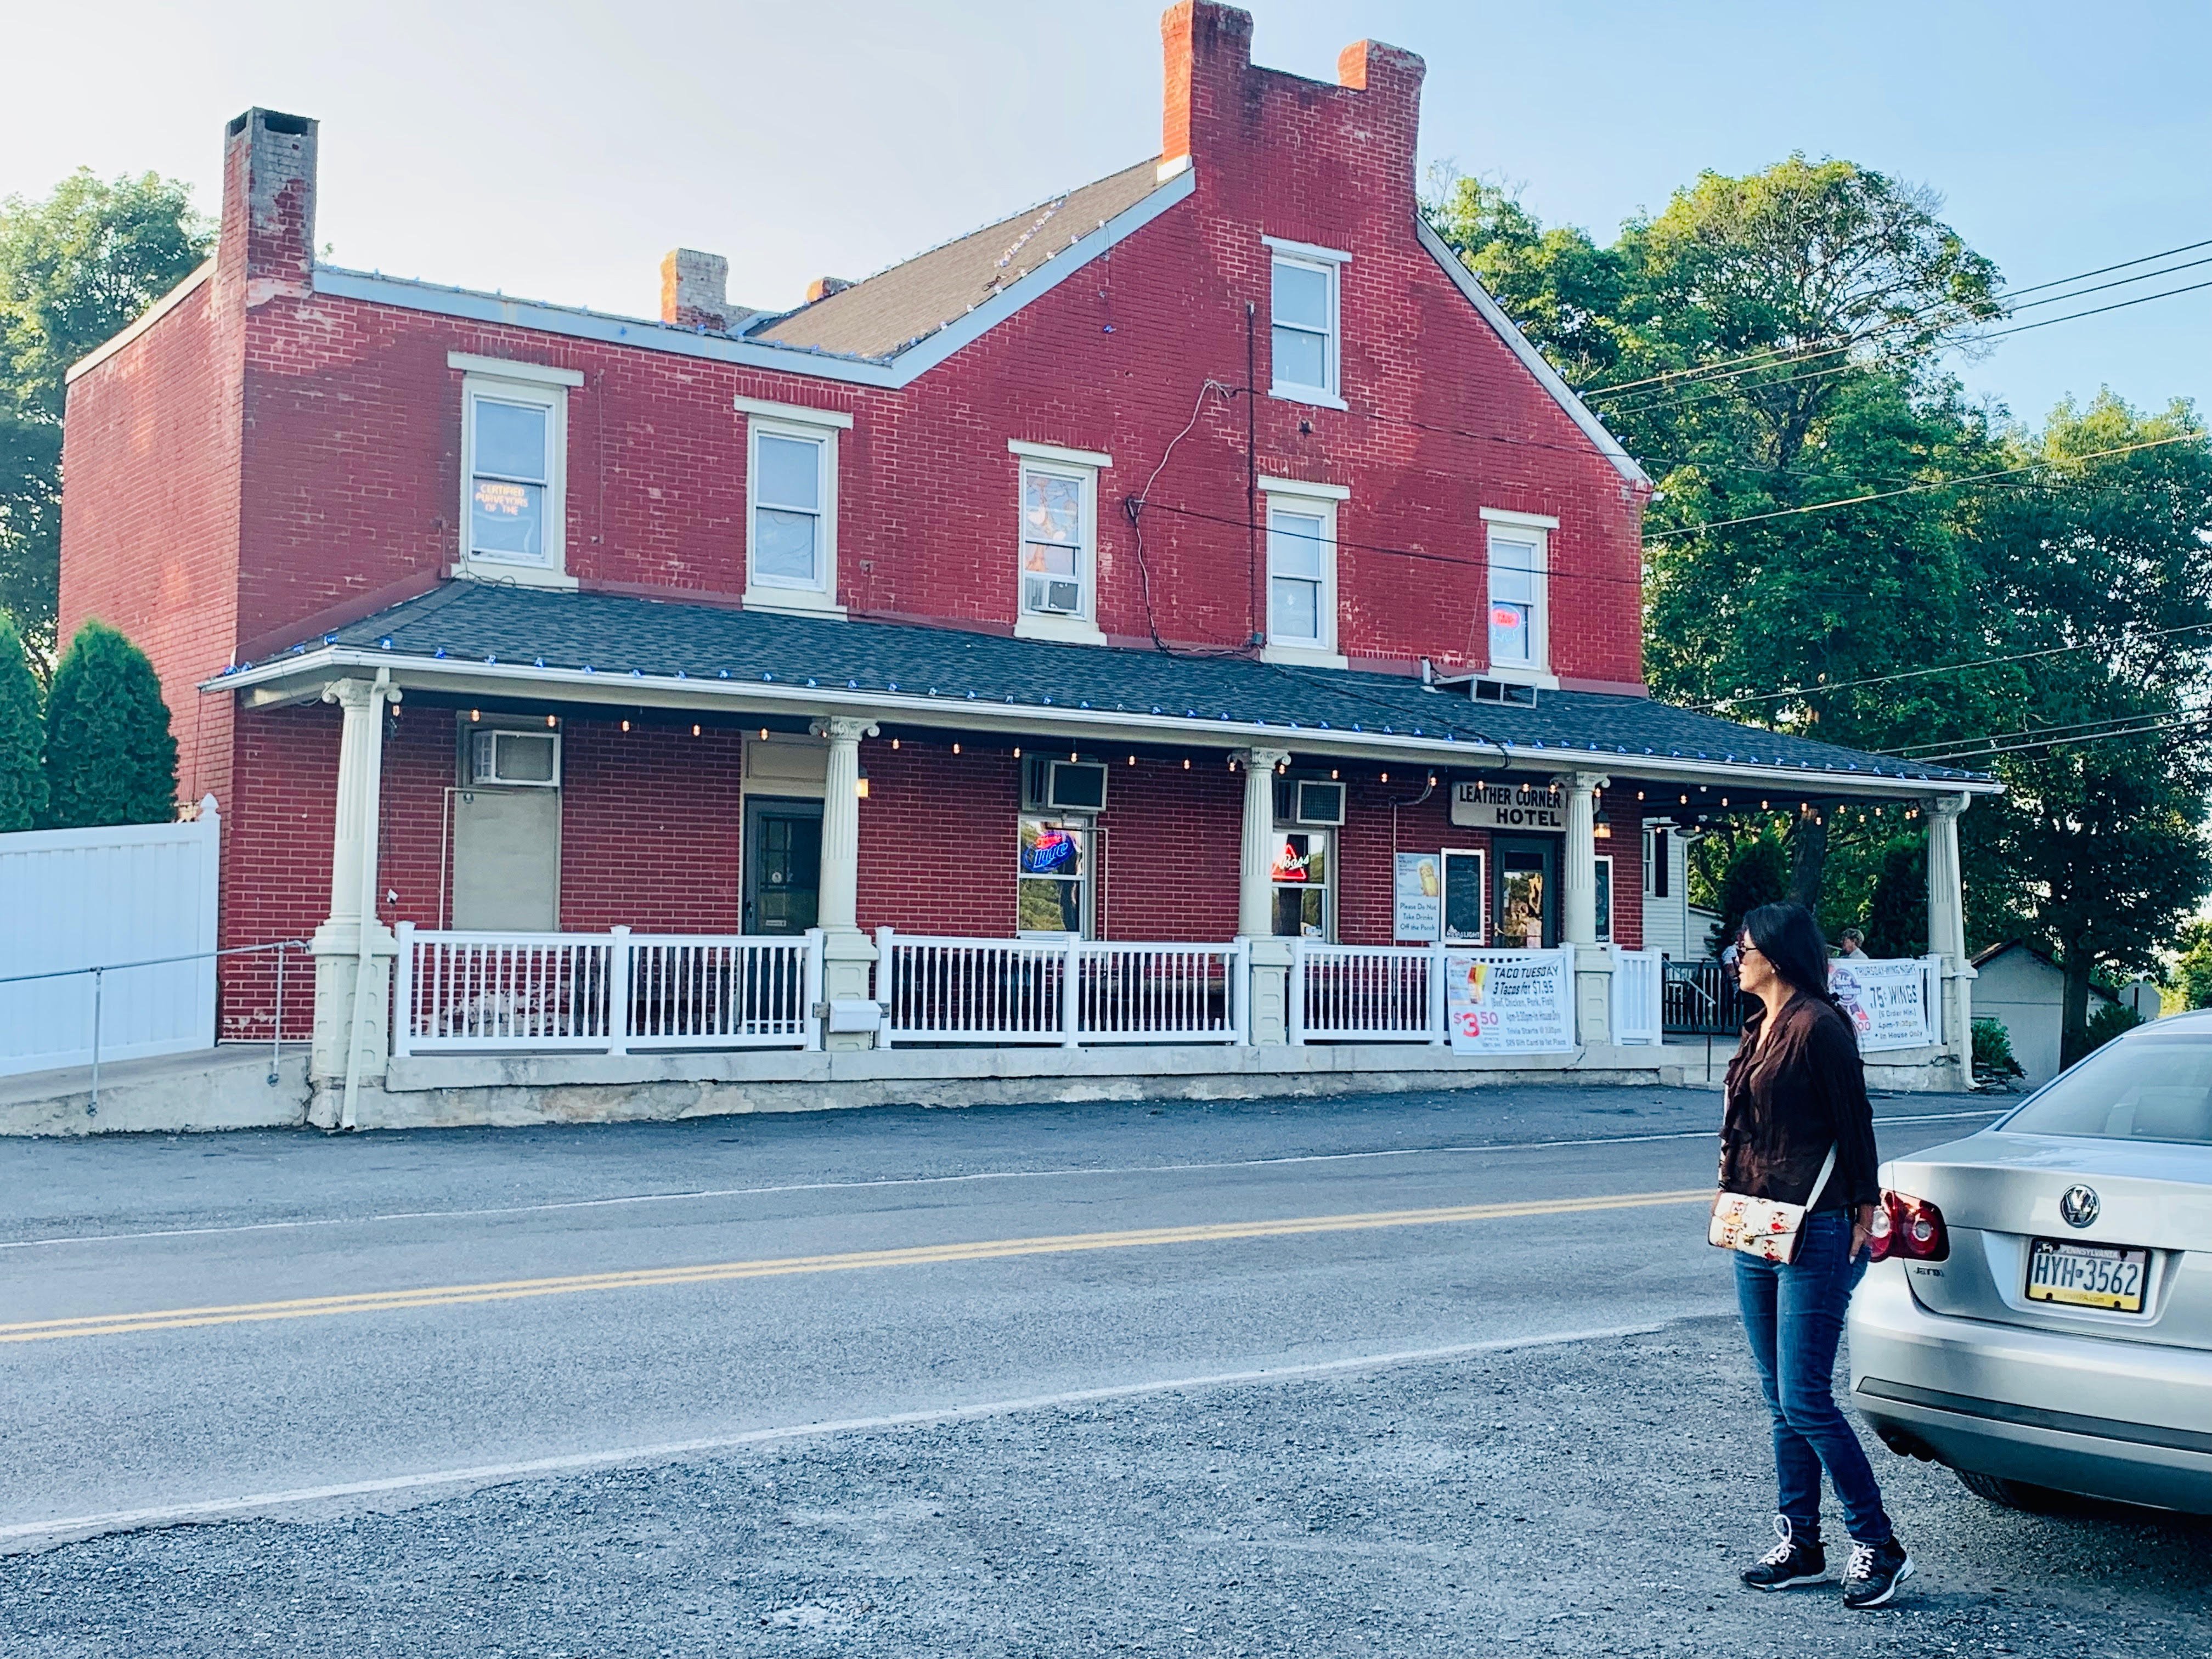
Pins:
x: 1637, y: 993
x: 87, y: 898
x: 1072, y: 992
x: 461, y: 991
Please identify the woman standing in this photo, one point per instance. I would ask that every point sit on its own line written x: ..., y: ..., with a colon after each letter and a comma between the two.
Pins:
x: 1797, y: 1093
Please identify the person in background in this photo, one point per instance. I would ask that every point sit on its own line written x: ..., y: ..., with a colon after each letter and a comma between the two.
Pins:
x: 1850, y: 944
x: 1796, y: 1094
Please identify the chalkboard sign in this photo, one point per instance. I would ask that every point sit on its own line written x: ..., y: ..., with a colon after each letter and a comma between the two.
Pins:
x: 1463, y: 896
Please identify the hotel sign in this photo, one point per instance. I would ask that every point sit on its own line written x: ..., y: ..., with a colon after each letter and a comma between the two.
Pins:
x: 1502, y: 804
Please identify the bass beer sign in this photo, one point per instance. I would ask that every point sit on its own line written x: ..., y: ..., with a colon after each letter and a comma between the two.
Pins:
x: 1501, y: 803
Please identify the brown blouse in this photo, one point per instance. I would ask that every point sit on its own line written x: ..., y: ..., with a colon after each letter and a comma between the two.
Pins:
x: 1789, y: 1099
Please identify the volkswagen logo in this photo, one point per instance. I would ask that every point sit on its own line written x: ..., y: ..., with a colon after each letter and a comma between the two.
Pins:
x: 2077, y: 1206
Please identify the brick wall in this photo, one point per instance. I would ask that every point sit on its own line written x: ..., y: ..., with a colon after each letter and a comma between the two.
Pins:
x: 652, y: 827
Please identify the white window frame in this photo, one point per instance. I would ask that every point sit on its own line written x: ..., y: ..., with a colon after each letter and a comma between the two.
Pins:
x: 1332, y: 841
x: 1538, y: 527
x: 819, y: 427
x: 1085, y: 882
x: 539, y: 385
x: 1329, y: 262
x: 1083, y: 467
x: 1314, y: 501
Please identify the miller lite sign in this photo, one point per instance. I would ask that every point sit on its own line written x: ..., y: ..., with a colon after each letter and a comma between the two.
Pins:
x: 1502, y: 804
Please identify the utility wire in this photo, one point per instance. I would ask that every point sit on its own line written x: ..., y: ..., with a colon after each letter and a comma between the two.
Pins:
x: 1678, y: 375
x: 2051, y: 732
x: 1915, y: 489
x: 2195, y: 721
x: 1942, y: 668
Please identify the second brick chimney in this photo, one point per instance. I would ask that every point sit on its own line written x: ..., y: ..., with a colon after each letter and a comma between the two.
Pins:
x: 268, y: 238
x: 695, y: 291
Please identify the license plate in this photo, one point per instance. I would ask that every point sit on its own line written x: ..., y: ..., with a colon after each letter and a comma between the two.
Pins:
x: 2087, y: 1275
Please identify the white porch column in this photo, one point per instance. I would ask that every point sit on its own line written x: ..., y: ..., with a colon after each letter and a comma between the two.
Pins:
x: 1578, y: 908
x: 847, y: 952
x: 1947, y: 930
x: 1255, y: 898
x: 352, y: 949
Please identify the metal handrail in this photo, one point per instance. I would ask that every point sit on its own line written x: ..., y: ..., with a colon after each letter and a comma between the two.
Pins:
x: 100, y: 971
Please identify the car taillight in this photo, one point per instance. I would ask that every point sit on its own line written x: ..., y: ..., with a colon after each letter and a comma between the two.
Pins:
x: 1909, y: 1227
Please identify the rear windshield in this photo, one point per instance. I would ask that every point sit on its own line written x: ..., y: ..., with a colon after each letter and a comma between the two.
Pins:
x: 2150, y: 1089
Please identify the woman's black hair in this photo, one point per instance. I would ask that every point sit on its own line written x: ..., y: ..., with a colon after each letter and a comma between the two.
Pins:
x: 1789, y: 940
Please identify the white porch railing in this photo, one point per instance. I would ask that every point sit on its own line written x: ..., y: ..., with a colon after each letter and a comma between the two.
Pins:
x: 1072, y: 992
x: 461, y: 992
x: 1366, y: 992
x: 1638, y: 982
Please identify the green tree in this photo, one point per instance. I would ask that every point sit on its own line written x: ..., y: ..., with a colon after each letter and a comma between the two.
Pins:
x: 2192, y: 968
x: 76, y: 269
x: 1757, y: 873
x: 23, y: 737
x: 110, y: 756
x: 2098, y: 846
x: 1896, y: 917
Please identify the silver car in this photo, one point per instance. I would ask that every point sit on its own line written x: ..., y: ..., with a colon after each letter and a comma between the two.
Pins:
x: 2040, y: 1315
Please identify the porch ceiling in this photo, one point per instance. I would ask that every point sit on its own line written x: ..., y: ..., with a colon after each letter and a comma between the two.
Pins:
x: 493, y: 640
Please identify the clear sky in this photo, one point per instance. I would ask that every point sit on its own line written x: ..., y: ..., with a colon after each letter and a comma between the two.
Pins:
x: 556, y: 151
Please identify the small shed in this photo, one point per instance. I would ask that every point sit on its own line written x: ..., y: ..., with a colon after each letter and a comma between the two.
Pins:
x: 2022, y: 987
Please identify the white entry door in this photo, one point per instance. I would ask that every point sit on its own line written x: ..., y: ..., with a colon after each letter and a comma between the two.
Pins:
x: 507, y: 859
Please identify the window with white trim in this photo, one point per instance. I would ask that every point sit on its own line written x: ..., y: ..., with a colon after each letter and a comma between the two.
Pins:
x: 1057, y: 542
x: 1302, y: 586
x: 791, y: 512
x: 1303, y: 309
x: 1300, y: 877
x: 1052, y: 885
x: 1518, y: 624
x: 514, y: 439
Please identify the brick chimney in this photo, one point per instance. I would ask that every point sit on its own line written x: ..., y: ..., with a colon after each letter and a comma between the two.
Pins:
x: 1208, y: 53
x: 695, y: 291
x: 268, y: 241
x: 1389, y: 113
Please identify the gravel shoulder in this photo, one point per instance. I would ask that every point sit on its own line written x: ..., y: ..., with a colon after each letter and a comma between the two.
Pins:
x: 1590, y: 1499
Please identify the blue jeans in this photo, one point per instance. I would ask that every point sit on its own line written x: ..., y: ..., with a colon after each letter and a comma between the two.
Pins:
x: 1793, y: 1317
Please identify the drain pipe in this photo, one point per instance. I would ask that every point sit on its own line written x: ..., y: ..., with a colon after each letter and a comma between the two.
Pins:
x: 381, y: 692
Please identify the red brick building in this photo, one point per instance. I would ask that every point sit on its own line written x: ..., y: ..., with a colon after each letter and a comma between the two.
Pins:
x: 958, y: 600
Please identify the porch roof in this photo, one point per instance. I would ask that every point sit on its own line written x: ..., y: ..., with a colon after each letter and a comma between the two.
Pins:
x: 487, y: 639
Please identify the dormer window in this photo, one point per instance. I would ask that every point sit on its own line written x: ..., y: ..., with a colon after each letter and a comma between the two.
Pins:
x: 1304, y: 316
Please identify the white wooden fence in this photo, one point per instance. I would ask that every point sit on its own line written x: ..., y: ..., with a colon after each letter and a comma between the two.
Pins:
x: 138, y: 903
x: 612, y: 993
x: 1366, y: 992
x: 1072, y: 992
x: 1639, y: 993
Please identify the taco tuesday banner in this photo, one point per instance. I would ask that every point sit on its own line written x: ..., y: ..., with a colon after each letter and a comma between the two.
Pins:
x: 1509, y: 1002
x: 1886, y: 1001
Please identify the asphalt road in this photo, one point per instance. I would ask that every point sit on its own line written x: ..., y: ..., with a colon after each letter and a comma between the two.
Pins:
x: 1417, y: 1374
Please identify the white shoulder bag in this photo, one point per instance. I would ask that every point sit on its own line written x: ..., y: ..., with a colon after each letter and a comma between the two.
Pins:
x: 1763, y: 1227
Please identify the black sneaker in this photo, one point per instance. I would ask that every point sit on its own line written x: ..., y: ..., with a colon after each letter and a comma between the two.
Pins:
x: 1875, y: 1572
x: 1793, y: 1561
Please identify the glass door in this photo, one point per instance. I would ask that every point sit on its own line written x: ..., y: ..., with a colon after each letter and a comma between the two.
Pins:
x: 1526, y: 901
x: 783, y: 866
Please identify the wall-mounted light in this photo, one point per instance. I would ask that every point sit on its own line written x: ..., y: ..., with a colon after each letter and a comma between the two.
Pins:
x: 861, y: 784
x: 1601, y: 828
x: 476, y: 714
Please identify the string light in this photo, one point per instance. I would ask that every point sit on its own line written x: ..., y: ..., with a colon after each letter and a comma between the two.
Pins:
x: 552, y: 721
x: 1186, y: 763
x: 625, y: 725
x: 763, y: 734
x: 1132, y: 760
x: 955, y: 748
x: 476, y: 714
x: 694, y: 731
x: 1018, y: 750
x: 894, y: 743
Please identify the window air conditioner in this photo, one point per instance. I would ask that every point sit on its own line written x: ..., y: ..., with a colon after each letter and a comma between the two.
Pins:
x: 528, y: 760
x: 1319, y: 803
x: 1059, y: 786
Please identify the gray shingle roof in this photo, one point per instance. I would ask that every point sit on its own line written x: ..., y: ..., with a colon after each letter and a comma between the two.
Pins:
x: 896, y: 308
x: 619, y: 637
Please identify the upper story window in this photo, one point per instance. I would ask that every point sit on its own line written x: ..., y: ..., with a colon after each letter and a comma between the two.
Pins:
x: 790, y: 507
x: 1520, y: 600
x: 515, y: 443
x: 1302, y: 571
x: 1304, y: 316
x: 1057, y: 542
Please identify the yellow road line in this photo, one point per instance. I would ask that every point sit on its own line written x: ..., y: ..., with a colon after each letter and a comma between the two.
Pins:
x: 316, y: 1307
